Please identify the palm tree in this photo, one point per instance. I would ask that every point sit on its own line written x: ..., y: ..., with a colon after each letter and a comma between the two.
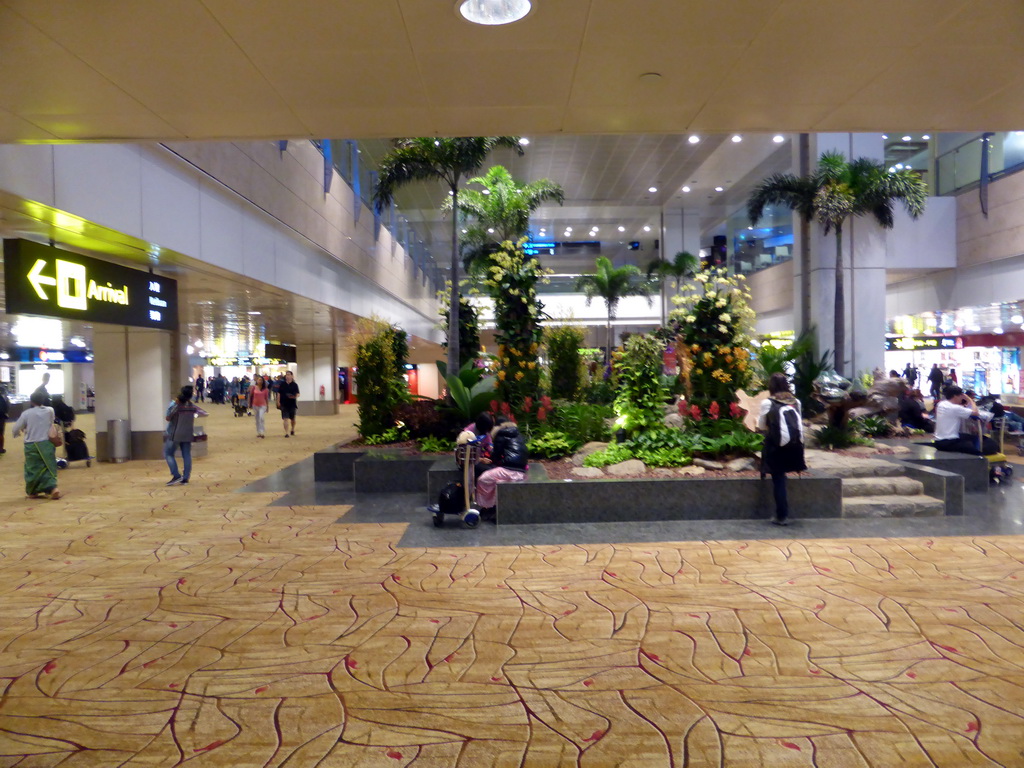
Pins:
x: 501, y: 211
x: 683, y: 264
x: 446, y: 160
x: 836, y: 190
x: 612, y: 284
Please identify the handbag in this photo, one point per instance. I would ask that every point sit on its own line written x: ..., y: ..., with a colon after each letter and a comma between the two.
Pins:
x: 55, y: 437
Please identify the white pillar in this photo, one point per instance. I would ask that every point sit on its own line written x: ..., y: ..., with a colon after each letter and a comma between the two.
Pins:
x: 132, y: 374
x: 316, y: 367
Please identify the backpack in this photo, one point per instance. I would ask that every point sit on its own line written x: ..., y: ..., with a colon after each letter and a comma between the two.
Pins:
x: 783, y: 425
x: 452, y: 499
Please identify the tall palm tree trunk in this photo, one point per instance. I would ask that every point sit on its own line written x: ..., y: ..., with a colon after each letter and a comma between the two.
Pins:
x: 453, y: 309
x: 608, y: 349
x: 840, y: 322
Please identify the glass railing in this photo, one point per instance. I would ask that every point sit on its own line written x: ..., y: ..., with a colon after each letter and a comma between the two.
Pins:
x: 960, y: 167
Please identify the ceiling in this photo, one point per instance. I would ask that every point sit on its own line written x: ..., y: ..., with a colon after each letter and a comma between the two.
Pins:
x: 219, y: 69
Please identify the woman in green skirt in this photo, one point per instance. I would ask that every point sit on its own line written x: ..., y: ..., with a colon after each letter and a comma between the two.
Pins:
x: 40, y: 453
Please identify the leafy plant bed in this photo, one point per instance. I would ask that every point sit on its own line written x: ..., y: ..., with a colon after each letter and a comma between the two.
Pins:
x: 562, y: 469
x: 406, y: 448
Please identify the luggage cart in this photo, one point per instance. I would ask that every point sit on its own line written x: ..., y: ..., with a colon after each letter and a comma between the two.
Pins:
x: 75, y: 447
x: 466, y: 456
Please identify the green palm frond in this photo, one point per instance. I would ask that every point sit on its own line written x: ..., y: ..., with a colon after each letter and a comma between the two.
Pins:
x: 783, y: 189
x: 507, y: 204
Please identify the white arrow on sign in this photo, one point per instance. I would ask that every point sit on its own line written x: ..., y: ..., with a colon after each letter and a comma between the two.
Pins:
x: 38, y: 280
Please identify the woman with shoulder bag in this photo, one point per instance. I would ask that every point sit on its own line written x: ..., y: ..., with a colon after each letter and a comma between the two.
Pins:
x: 41, y: 440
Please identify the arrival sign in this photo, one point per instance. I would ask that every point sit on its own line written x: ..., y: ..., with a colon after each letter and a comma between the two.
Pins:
x: 43, y: 280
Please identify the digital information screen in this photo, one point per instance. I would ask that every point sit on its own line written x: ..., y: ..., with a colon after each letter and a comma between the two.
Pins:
x: 43, y: 280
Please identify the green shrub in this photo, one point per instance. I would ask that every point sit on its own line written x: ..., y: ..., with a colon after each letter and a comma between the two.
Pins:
x: 639, y: 403
x: 552, y: 445
x: 600, y: 393
x: 873, y: 426
x: 583, y: 422
x: 390, y: 435
x: 380, y: 371
x: 613, y: 454
x: 428, y: 418
x: 436, y: 445
x: 564, y: 363
x: 830, y: 437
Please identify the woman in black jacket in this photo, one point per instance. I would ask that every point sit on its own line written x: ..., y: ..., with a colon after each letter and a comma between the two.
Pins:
x: 509, y: 458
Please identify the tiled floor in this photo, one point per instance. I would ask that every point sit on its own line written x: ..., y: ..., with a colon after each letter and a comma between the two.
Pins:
x: 152, y: 626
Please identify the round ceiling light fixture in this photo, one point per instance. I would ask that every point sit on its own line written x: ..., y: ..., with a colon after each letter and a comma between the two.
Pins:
x: 778, y: 139
x: 493, y: 12
x: 694, y: 139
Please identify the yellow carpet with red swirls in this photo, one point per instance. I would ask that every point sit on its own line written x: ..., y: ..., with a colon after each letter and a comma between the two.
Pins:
x: 150, y: 626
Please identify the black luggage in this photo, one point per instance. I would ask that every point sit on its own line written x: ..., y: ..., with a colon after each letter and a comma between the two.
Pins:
x: 75, y: 446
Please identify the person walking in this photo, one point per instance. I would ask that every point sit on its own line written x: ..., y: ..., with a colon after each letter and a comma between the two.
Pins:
x: 910, y: 374
x: 40, y: 452
x: 935, y: 381
x: 42, y: 390
x: 200, y: 389
x: 288, y: 401
x: 180, y: 419
x: 5, y: 410
x: 259, y: 397
x: 783, y: 450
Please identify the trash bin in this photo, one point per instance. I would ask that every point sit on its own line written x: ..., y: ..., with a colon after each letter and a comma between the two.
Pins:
x: 119, y: 440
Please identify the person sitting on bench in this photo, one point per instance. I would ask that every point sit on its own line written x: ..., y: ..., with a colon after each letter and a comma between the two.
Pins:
x: 950, y: 415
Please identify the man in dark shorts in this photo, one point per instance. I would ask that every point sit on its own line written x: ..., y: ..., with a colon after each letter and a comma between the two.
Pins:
x: 288, y: 401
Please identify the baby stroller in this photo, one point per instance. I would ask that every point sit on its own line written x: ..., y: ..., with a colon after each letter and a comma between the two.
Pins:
x: 75, y: 448
x: 241, y: 408
x: 459, y: 498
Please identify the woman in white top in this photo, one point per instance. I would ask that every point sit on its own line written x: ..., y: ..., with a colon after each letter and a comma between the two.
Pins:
x: 40, y: 453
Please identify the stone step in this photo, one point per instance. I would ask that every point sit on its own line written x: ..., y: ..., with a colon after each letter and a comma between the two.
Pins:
x: 881, y: 486
x: 893, y: 506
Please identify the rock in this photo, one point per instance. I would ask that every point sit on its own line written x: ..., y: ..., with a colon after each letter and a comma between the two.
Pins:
x: 586, y: 450
x: 690, y: 471
x: 588, y: 472
x: 709, y: 464
x: 628, y: 467
x: 673, y: 420
x: 899, y: 449
x: 863, y: 450
x: 740, y: 465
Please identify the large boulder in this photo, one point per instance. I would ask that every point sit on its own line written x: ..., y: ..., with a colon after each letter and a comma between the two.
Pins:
x: 708, y: 464
x: 690, y: 471
x: 741, y: 465
x: 626, y: 468
x: 588, y: 472
x: 586, y: 450
x: 673, y: 420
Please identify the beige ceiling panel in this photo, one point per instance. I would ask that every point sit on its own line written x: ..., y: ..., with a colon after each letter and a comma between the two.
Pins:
x: 671, y: 24
x: 880, y: 23
x: 1002, y: 111
x: 612, y: 75
x: 466, y: 79
x: 813, y: 74
x: 340, y: 122
x: 874, y: 117
x: 953, y: 77
x: 498, y: 121
x: 435, y: 25
x: 719, y: 118
x: 106, y: 126
x: 345, y: 78
x: 19, y: 129
x: 999, y: 23
x: 238, y: 124
x: 302, y: 26
x: 668, y: 118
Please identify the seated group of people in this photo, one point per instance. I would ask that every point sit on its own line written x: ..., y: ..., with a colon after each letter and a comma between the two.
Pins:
x: 954, y: 415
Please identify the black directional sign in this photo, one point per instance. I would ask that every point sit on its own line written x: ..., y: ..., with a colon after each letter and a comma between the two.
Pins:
x: 43, y: 280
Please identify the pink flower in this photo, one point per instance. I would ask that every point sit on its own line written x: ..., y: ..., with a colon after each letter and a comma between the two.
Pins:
x: 546, y: 402
x: 695, y: 413
x: 681, y: 405
x: 713, y: 410
x: 527, y: 404
x: 735, y: 411
x: 542, y: 414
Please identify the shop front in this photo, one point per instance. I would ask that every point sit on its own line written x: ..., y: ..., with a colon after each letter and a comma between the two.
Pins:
x: 984, y: 363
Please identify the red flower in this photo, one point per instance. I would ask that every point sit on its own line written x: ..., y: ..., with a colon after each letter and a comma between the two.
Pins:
x: 713, y: 410
x: 494, y: 406
x: 506, y: 410
x: 735, y: 411
x: 546, y: 402
x: 527, y: 404
x: 681, y: 405
x: 542, y: 414
x: 695, y: 413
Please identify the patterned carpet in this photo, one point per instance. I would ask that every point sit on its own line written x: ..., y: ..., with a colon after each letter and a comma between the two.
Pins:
x: 150, y: 626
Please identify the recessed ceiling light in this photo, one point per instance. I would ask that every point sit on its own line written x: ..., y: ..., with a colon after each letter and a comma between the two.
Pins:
x: 778, y: 139
x: 493, y: 12
x: 647, y: 229
x: 524, y: 141
x: 490, y: 230
x: 906, y: 138
x: 595, y: 229
x: 652, y: 189
x: 899, y: 166
x: 694, y: 139
x: 1017, y: 319
x: 255, y: 313
x: 926, y: 137
x: 199, y: 344
x: 997, y: 330
x: 650, y: 77
x: 719, y: 189
x: 736, y: 139
x: 686, y: 189
x: 463, y: 231
x: 487, y: 191
x: 884, y: 136
x: 623, y: 229
x: 892, y: 169
x: 749, y: 227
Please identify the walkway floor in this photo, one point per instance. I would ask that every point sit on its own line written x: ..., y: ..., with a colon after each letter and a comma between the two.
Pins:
x: 151, y: 626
